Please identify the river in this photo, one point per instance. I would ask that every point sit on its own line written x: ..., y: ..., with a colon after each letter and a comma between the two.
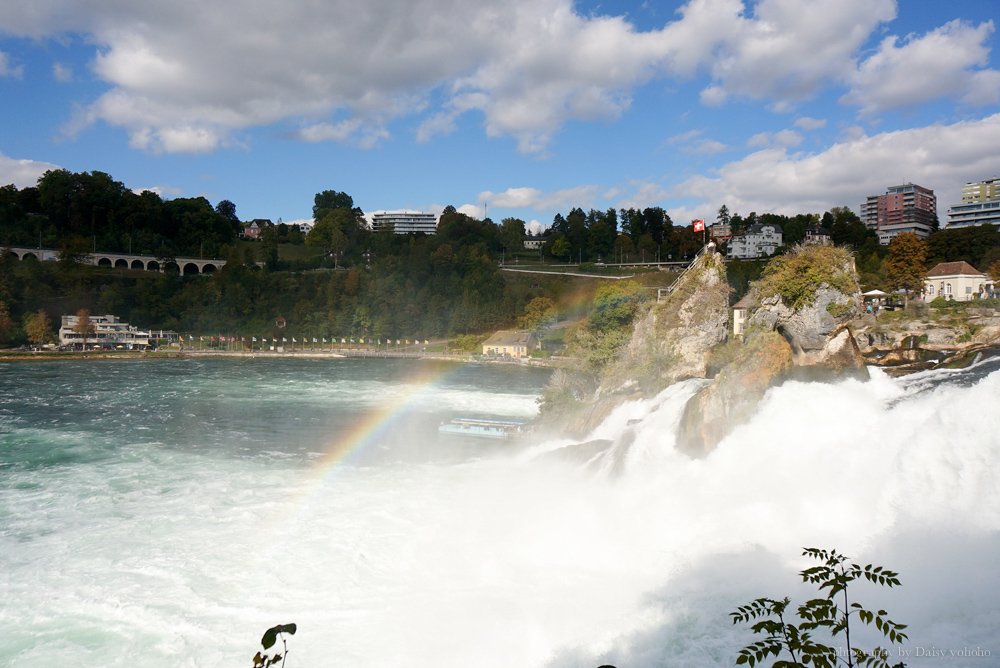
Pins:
x: 165, y: 513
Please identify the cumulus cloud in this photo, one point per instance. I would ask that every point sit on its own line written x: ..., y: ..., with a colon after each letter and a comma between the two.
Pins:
x: 944, y: 63
x: 62, y: 73
x: 807, y: 123
x: 940, y: 157
x: 532, y: 198
x: 8, y: 69
x: 162, y: 191
x: 789, y: 50
x: 189, y: 76
x: 22, y: 173
x: 786, y: 138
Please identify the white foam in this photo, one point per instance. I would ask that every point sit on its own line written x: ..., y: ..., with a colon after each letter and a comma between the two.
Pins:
x: 175, y: 558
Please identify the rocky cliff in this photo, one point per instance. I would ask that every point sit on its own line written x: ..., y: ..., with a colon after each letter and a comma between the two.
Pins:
x: 799, y: 330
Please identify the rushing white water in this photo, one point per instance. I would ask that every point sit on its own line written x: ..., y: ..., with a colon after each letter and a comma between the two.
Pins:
x: 160, y: 553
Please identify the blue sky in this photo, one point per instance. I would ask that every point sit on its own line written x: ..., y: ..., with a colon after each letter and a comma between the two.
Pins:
x: 527, y: 106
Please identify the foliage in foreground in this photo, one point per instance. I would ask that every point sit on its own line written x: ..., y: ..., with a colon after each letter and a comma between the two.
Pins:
x: 833, y: 576
x: 271, y: 636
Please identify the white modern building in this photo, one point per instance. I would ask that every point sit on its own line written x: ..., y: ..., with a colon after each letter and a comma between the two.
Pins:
x: 109, y: 331
x: 404, y: 222
x: 759, y: 241
x: 980, y: 205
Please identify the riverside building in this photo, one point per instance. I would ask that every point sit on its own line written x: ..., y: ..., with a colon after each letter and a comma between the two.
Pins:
x: 903, y: 208
x: 109, y: 331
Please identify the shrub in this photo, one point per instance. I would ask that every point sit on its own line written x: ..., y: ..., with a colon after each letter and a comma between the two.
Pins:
x: 832, y: 577
x: 797, y: 276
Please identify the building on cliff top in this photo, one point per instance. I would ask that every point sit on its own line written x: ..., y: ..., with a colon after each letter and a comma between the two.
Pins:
x: 761, y: 240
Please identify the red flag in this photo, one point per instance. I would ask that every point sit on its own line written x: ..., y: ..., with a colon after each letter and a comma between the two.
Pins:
x: 699, y: 225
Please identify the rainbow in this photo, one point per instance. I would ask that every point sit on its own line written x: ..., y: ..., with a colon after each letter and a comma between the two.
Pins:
x: 368, y: 430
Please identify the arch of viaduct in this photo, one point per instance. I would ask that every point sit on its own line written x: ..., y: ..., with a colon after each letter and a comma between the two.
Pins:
x: 186, y: 266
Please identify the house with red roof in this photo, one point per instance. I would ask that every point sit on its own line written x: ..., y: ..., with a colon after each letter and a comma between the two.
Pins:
x: 958, y: 281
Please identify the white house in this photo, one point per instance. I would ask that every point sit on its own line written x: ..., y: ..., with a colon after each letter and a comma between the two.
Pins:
x: 741, y: 312
x: 958, y: 281
x: 759, y: 241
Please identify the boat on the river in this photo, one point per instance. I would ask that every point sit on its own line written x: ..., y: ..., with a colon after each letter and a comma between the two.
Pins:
x: 498, y: 430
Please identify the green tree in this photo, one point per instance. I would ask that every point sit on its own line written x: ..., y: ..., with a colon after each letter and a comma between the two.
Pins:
x: 539, y: 312
x: 37, y: 327
x: 84, y: 325
x: 560, y: 248
x: 723, y: 216
x: 328, y: 233
x: 906, y: 263
x: 227, y: 210
x: 269, y: 246
x: 623, y: 247
x: 6, y: 323
x: 329, y: 200
x: 512, y: 234
x: 833, y: 613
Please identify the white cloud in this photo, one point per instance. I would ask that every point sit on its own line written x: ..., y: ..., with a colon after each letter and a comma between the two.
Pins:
x: 532, y: 198
x: 189, y: 76
x: 7, y: 69
x: 708, y: 147
x: 807, y: 123
x: 789, y: 50
x: 940, y: 64
x: 22, y: 173
x: 472, y: 210
x: 713, y: 96
x: 162, y: 191
x: 62, y: 73
x: 786, y: 138
x: 940, y: 157
x: 643, y: 194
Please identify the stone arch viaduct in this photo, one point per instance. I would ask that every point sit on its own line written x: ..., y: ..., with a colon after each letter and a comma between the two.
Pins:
x: 185, y: 266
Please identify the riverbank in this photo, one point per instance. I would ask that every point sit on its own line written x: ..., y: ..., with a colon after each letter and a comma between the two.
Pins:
x: 459, y: 358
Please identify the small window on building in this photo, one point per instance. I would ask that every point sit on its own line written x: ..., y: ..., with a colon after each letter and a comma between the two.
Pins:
x: 930, y: 289
x: 968, y: 289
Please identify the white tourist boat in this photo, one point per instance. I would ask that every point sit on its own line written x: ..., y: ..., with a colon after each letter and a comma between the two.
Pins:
x: 500, y: 430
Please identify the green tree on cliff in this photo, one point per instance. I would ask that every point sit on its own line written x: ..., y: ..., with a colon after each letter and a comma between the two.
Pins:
x: 906, y: 263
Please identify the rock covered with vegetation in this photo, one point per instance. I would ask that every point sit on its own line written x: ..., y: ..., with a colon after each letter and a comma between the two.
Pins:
x: 807, y: 297
x: 673, y: 339
x: 633, y: 346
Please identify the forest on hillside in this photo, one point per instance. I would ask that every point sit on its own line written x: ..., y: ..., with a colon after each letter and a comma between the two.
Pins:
x: 349, y: 280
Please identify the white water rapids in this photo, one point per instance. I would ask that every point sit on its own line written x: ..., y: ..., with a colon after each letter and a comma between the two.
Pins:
x: 527, y: 558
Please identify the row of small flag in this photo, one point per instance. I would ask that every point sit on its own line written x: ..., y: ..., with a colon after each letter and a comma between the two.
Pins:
x: 264, y: 339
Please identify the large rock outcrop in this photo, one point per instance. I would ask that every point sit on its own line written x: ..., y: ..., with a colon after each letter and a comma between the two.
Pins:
x: 798, y: 331
x: 673, y: 340
x: 734, y: 394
